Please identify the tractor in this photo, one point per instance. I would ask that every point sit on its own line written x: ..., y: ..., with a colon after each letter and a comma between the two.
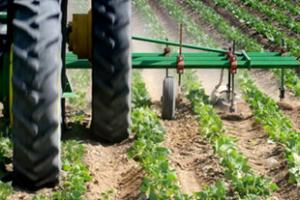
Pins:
x: 34, y: 35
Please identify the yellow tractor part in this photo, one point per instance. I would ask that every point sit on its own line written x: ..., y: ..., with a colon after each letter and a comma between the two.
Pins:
x: 80, y: 37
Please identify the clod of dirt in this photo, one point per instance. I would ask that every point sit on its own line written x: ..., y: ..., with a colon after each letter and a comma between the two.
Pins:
x: 288, y: 105
x: 241, y: 112
x: 235, y: 116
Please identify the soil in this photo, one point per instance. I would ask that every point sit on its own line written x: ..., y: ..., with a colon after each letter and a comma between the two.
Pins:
x: 109, y: 165
x: 111, y: 169
x: 191, y: 156
x: 264, y: 156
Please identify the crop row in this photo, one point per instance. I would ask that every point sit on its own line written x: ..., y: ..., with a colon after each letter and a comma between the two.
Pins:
x: 292, y: 81
x: 160, y: 182
x: 230, y: 32
x: 274, y: 14
x: 268, y: 30
x: 287, y: 6
x: 275, y: 123
x: 238, y: 185
x: 5, y: 158
x: 244, y: 182
x: 150, y: 17
x: 75, y: 174
x: 191, y: 27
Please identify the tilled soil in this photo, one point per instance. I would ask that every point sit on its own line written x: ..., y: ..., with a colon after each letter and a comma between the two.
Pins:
x: 264, y: 156
x: 111, y: 170
x: 191, y: 156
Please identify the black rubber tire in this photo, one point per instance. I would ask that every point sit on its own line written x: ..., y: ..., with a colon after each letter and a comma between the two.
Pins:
x: 111, y: 70
x: 36, y: 93
x: 168, y: 99
x: 3, y: 5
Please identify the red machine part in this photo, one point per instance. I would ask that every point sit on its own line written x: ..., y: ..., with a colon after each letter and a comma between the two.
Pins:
x: 180, y: 64
x: 232, y: 61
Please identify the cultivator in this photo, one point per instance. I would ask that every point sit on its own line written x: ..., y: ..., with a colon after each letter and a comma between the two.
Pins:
x: 32, y: 77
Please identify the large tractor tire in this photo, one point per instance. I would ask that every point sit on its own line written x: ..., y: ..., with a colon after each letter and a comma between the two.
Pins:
x: 3, y: 5
x: 36, y: 92
x: 111, y: 69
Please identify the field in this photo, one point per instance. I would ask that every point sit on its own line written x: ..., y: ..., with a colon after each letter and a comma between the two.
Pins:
x: 205, y: 152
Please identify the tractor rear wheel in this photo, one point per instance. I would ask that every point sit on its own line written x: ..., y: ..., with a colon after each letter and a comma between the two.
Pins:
x: 111, y: 69
x: 36, y: 92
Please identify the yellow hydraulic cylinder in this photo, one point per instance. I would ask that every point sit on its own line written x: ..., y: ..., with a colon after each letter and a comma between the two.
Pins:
x: 80, y: 37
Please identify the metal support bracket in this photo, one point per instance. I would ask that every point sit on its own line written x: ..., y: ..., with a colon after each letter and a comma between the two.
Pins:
x: 180, y: 58
x: 231, y: 75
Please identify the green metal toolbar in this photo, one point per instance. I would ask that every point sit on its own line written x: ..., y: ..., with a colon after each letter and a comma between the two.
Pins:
x: 208, y: 58
x: 201, y: 60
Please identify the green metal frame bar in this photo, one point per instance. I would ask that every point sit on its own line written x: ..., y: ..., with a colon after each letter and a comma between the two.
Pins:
x: 176, y: 44
x: 200, y: 60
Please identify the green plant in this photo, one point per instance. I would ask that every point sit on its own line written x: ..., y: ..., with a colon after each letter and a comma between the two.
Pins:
x: 218, y: 191
x: 268, y: 30
x: 5, y: 190
x: 177, y: 12
x: 275, y: 123
x: 140, y: 96
x: 231, y: 33
x: 107, y: 195
x: 76, y: 173
x: 274, y: 14
x: 243, y: 180
x: 5, y: 158
x: 286, y: 6
x: 160, y: 182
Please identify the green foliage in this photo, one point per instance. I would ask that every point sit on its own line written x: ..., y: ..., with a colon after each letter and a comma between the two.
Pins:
x: 217, y: 191
x: 267, y: 29
x: 107, y: 195
x: 286, y: 6
x: 160, y: 181
x: 230, y: 32
x: 275, y: 123
x: 140, y: 96
x: 80, y: 81
x: 5, y: 150
x: 5, y: 157
x: 236, y: 169
x: 274, y: 14
x: 291, y: 80
x: 5, y: 190
x: 76, y: 173
x: 177, y: 12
